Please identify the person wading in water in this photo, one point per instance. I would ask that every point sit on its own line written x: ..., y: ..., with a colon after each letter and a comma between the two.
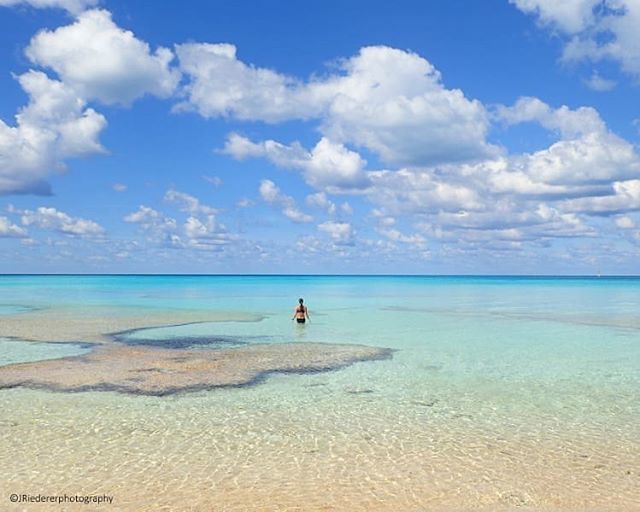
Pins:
x: 301, y: 313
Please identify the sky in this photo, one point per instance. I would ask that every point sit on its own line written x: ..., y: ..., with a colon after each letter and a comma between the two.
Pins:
x: 320, y: 137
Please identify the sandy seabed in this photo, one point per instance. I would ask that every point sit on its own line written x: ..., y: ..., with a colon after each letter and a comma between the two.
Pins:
x: 309, y: 442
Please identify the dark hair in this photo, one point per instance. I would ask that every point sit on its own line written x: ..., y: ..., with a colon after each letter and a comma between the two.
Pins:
x: 300, y: 300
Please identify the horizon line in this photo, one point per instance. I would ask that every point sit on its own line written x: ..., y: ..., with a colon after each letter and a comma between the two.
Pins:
x: 169, y: 274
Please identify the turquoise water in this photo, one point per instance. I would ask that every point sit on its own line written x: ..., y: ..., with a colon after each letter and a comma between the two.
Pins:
x: 549, y: 366
x: 12, y: 351
x: 541, y: 330
x: 561, y: 342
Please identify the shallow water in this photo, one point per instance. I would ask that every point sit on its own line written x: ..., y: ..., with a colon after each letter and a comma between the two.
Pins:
x: 13, y: 351
x: 503, y: 392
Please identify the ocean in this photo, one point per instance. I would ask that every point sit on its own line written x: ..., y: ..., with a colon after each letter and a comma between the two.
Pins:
x: 498, y: 393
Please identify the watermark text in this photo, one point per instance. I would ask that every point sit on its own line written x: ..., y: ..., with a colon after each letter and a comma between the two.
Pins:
x: 86, y: 499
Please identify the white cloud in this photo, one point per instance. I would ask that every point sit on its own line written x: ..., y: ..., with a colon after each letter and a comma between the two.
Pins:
x: 625, y: 222
x: 568, y: 123
x: 618, y: 23
x: 54, y: 125
x: 195, y: 233
x: 195, y: 228
x: 393, y: 103
x: 587, y: 152
x: 151, y: 219
x: 599, y: 83
x: 346, y: 208
x: 595, y: 158
x: 520, y: 198
x: 119, y: 187
x: 321, y: 201
x: 7, y: 229
x: 73, y: 6
x: 159, y: 228
x: 596, y: 29
x: 55, y: 220
x: 625, y: 198
x: 421, y: 191
x: 188, y: 203
x: 507, y: 220
x: 240, y: 147
x: 511, y: 198
x: 389, y: 101
x: 397, y: 236
x: 101, y: 61
x: 332, y: 165
x: 341, y: 233
x: 327, y: 166
x: 209, y: 234
x: 568, y: 15
x: 223, y: 86
x: 244, y: 202
x: 271, y: 194
x: 216, y: 181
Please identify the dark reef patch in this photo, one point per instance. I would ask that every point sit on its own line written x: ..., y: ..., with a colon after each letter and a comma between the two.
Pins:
x: 144, y: 370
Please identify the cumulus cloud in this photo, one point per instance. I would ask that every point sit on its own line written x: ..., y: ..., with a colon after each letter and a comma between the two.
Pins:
x: 55, y: 220
x: 397, y: 236
x: 625, y: 222
x: 327, y: 166
x: 587, y: 153
x: 223, y: 86
x: 102, y: 61
x: 341, y: 233
x: 188, y: 203
x: 568, y: 15
x: 346, y: 208
x: 7, y: 229
x: 595, y: 29
x: 421, y: 191
x: 73, y: 6
x: 394, y: 103
x: 196, y: 232
x: 150, y: 218
x: 625, y: 197
x: 53, y: 126
x: 516, y: 198
x: 389, y: 101
x: 595, y: 158
x: 599, y: 83
x: 271, y: 194
x: 207, y: 234
x: 158, y: 227
x: 532, y: 222
x: 321, y: 201
x: 563, y: 120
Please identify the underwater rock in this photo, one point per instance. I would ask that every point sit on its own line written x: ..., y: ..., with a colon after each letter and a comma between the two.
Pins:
x: 155, y: 371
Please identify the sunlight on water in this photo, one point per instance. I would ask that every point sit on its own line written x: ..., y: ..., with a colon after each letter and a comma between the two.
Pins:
x: 501, y: 393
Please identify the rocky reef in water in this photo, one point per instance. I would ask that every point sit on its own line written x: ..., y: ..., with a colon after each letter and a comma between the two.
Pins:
x: 147, y: 370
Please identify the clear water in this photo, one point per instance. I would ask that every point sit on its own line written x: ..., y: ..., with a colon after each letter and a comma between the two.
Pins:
x: 12, y: 351
x: 503, y: 392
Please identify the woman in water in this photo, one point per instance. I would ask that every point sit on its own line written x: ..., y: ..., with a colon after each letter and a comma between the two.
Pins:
x: 301, y: 313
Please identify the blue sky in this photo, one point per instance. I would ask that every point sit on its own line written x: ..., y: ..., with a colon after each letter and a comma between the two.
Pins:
x: 454, y: 137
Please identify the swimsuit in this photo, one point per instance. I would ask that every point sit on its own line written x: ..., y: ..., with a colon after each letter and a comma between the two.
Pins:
x: 300, y: 310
